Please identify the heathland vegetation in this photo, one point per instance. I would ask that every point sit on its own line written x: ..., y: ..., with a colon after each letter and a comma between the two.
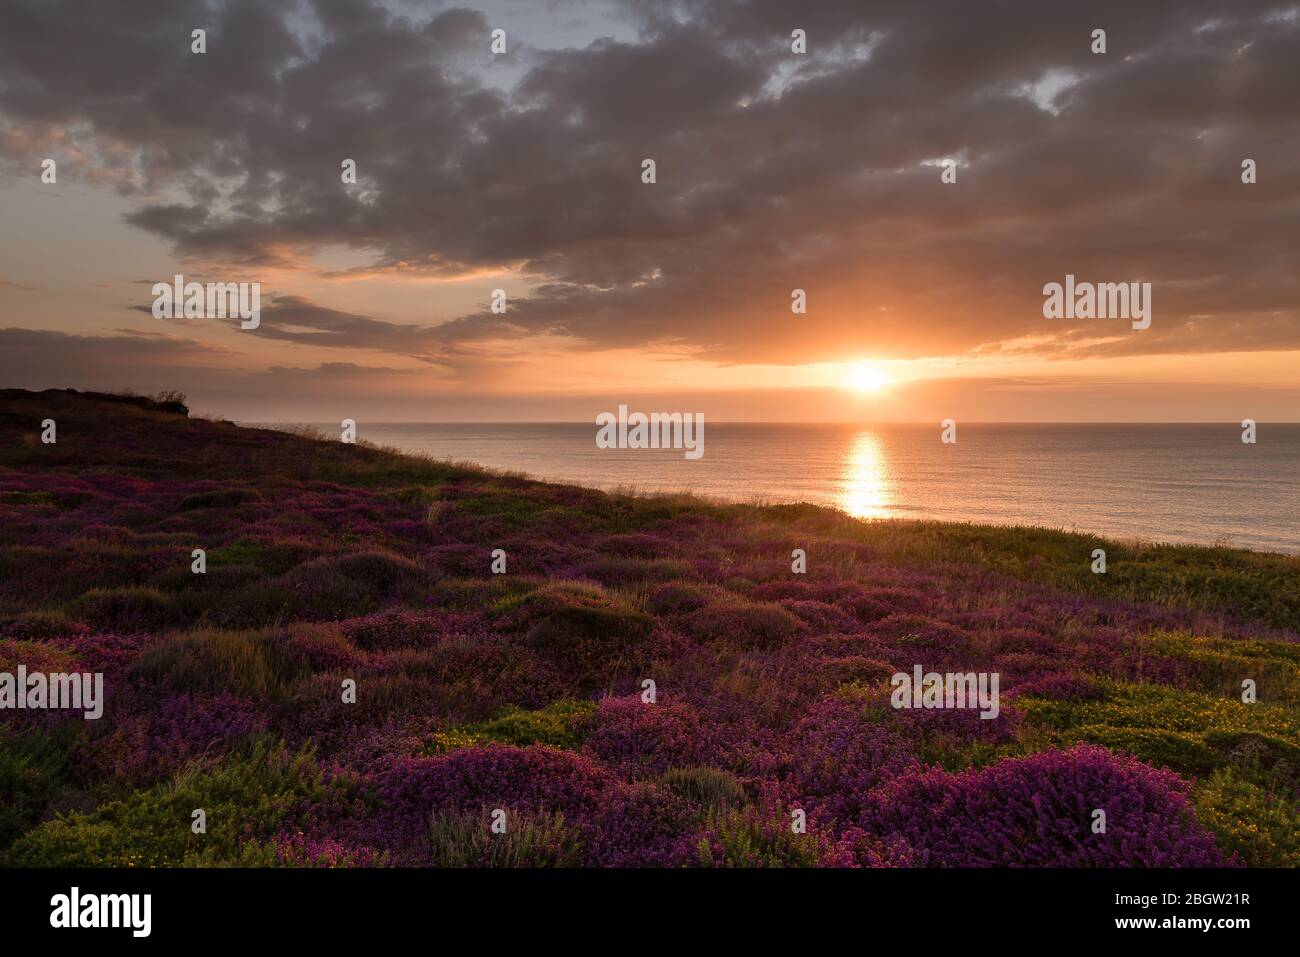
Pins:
x: 525, y: 691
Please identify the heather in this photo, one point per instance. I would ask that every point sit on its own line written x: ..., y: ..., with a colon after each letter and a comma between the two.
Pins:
x: 331, y: 566
x: 1038, y: 811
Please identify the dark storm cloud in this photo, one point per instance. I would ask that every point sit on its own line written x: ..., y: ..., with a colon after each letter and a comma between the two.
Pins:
x: 154, y: 362
x: 301, y: 321
x: 774, y: 171
x: 32, y: 358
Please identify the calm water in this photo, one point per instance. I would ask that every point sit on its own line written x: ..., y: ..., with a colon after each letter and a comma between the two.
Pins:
x: 1177, y: 483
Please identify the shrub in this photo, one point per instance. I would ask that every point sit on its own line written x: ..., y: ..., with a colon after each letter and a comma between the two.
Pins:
x: 136, y: 609
x: 744, y: 624
x: 836, y: 757
x: 256, y: 605
x: 594, y: 645
x: 37, y: 656
x: 1217, y: 665
x: 320, y: 648
x: 332, y: 588
x: 465, y: 839
x: 246, y: 798
x: 1261, y: 825
x: 679, y: 597
x: 467, y: 677
x: 757, y: 836
x: 384, y: 573
x: 244, y: 663
x: 1165, y: 726
x: 624, y: 572
x: 819, y: 616
x: 638, y: 739
x: 520, y: 780
x: 34, y: 766
x: 877, y: 603
x: 393, y: 628
x: 559, y: 724
x: 219, y: 498
x: 178, y: 729
x: 1267, y: 758
x: 298, y: 850
x: 42, y: 626
x: 642, y: 825
x: 710, y: 789
x: 857, y: 848
x: 1038, y: 812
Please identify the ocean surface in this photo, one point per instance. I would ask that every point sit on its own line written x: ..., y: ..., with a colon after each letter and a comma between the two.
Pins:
x: 1164, y: 483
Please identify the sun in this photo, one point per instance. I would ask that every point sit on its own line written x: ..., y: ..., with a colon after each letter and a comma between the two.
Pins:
x: 866, y: 377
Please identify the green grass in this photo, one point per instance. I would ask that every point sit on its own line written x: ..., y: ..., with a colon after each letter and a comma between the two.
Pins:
x: 245, y: 663
x: 560, y: 724
x: 246, y: 798
x: 530, y: 840
x: 1259, y: 823
x: 35, y: 767
x: 1218, y: 666
x: 1187, y: 731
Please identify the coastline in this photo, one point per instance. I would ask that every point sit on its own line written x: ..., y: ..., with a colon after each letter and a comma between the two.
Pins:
x: 498, y: 635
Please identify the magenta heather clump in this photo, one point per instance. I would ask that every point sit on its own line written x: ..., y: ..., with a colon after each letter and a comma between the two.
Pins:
x: 1038, y: 812
x: 515, y: 779
x: 175, y: 729
x: 642, y: 825
x: 637, y: 739
x: 836, y: 757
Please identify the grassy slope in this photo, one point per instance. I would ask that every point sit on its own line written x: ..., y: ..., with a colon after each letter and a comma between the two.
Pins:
x: 317, y: 549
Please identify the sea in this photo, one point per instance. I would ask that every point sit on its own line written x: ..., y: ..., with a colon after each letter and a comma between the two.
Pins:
x: 1187, y: 483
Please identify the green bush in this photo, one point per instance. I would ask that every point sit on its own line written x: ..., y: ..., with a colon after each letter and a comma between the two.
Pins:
x: 135, y: 609
x: 1176, y: 750
x: 756, y: 837
x: 1262, y: 826
x: 1217, y: 666
x: 247, y: 798
x: 34, y: 767
x: 510, y: 509
x: 711, y: 789
x: 1189, y: 732
x: 558, y: 724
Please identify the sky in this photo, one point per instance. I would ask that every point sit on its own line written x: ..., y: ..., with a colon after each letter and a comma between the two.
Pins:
x: 775, y: 170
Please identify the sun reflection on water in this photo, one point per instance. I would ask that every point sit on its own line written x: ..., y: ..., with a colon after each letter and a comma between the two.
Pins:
x: 866, y: 490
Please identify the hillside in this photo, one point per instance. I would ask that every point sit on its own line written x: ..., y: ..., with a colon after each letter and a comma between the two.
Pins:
x: 524, y: 691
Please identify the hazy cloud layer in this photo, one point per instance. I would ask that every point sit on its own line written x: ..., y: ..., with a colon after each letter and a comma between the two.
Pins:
x: 330, y: 391
x: 774, y: 170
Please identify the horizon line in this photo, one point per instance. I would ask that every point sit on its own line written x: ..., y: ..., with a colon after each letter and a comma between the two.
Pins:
x: 917, y: 422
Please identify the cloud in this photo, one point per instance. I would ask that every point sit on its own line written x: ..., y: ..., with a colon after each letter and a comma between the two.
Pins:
x: 31, y: 358
x: 151, y: 363
x: 774, y: 171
